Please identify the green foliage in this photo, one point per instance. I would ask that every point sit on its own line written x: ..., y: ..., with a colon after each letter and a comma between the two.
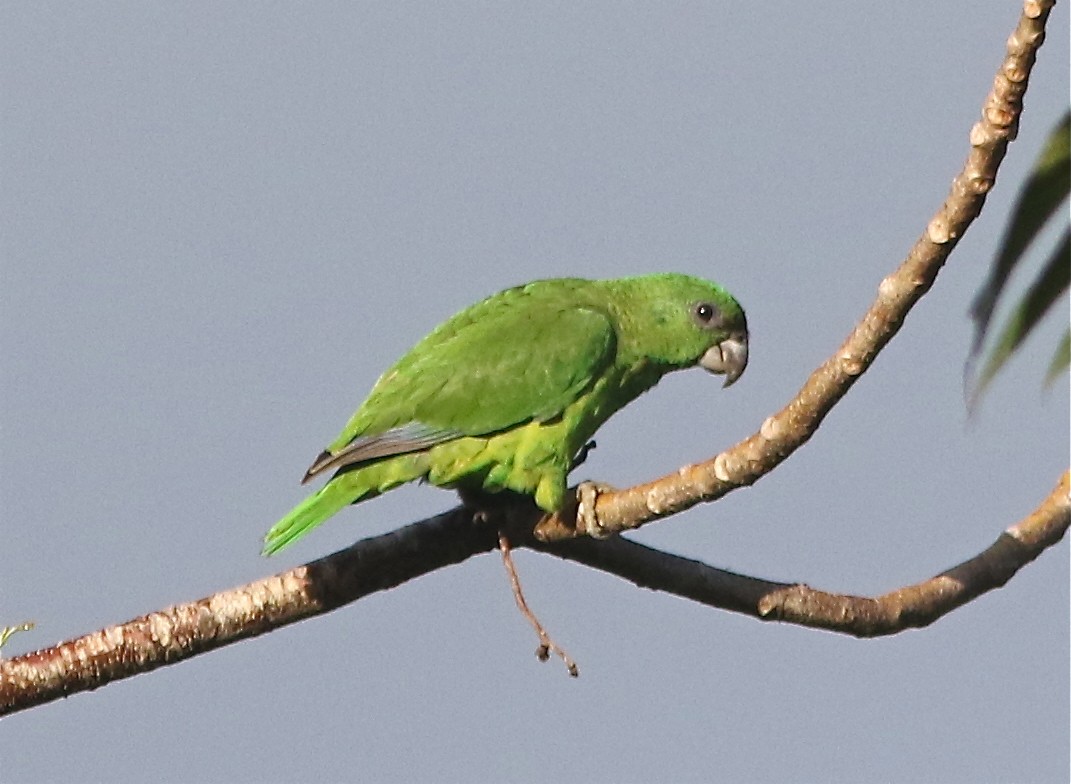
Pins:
x: 1039, y: 205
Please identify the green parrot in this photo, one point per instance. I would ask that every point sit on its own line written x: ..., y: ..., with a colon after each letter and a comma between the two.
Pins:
x: 506, y: 394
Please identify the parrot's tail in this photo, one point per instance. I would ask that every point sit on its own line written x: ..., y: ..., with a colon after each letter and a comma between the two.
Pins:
x: 319, y: 506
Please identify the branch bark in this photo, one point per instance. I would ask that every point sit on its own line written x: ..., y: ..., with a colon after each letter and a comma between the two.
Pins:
x: 913, y: 606
x: 386, y: 561
x: 185, y: 630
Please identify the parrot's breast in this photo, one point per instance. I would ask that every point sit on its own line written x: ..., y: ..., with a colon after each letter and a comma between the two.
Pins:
x: 535, y: 458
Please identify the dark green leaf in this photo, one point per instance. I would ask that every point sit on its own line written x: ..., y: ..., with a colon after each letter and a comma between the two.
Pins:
x: 1045, y: 291
x: 1038, y: 202
x: 1060, y: 360
x: 1043, y: 193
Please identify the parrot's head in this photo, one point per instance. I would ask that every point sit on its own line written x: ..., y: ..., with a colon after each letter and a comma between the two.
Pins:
x: 728, y: 356
x: 686, y: 321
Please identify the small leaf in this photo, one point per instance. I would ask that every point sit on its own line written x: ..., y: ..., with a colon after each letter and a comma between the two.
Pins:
x: 1041, y: 296
x: 1039, y: 198
x: 1060, y: 360
x: 7, y: 631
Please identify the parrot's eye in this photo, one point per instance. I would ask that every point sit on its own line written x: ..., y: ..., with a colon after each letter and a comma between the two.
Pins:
x: 707, y: 314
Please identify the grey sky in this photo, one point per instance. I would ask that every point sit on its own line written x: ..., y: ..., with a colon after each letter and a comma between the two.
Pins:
x: 221, y: 222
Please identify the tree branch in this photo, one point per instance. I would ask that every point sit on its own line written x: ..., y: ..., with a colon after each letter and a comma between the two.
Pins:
x: 185, y: 630
x: 791, y: 427
x: 383, y: 562
x: 910, y: 607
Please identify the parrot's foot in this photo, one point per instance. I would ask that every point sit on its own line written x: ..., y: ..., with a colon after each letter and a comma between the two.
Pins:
x: 503, y: 509
x: 547, y: 646
x: 587, y: 521
x: 582, y: 455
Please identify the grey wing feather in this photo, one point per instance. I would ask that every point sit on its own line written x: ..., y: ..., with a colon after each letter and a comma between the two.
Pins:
x: 413, y: 437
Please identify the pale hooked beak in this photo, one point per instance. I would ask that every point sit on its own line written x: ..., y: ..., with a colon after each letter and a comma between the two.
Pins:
x: 728, y: 358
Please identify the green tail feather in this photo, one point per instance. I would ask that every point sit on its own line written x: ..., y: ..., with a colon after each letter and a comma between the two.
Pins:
x: 342, y: 490
x: 319, y: 506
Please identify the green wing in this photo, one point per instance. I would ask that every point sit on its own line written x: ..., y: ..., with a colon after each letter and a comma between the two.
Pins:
x: 509, y: 360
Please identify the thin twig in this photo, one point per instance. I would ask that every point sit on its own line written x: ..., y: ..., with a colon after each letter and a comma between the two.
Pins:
x: 547, y: 646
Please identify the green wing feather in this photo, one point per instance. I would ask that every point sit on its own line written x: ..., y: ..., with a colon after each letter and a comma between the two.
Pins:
x: 522, y: 355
